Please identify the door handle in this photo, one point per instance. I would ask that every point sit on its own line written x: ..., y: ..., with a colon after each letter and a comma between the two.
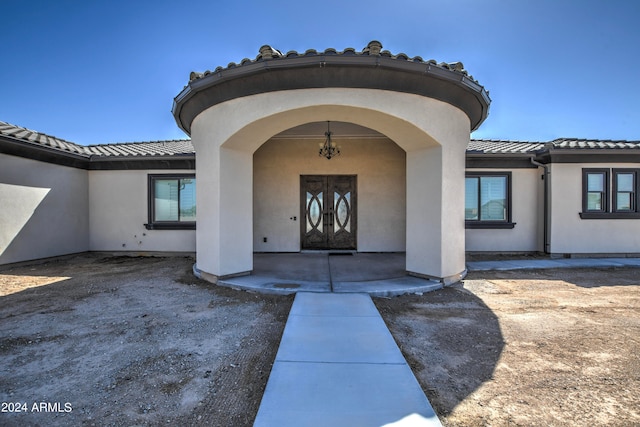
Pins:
x: 328, y: 219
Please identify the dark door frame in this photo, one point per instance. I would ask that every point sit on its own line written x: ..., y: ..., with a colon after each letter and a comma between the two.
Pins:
x: 328, y: 212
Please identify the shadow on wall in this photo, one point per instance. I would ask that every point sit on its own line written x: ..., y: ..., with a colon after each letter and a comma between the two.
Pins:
x: 19, y: 205
x: 451, y: 340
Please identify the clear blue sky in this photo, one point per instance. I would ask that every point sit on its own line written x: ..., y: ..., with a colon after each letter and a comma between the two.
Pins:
x: 107, y: 71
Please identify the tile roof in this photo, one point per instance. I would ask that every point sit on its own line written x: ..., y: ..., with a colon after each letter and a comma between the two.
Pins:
x: 373, y: 48
x: 183, y: 147
x: 40, y: 139
x: 131, y: 149
x: 174, y: 147
x: 371, y: 68
x: 594, y: 143
x: 503, y: 147
x: 492, y: 146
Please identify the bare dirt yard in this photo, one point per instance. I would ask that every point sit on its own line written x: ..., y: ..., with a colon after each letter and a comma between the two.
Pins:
x: 527, y: 348
x: 118, y: 341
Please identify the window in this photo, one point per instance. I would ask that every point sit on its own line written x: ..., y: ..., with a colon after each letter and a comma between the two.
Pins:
x: 610, y: 194
x: 172, y: 202
x: 625, y: 190
x: 596, y: 182
x: 488, y: 200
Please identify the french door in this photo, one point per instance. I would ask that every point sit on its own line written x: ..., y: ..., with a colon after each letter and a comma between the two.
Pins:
x: 328, y: 211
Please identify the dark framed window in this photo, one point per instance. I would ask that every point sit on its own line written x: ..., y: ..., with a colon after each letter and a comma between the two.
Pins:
x: 625, y: 190
x: 172, y: 202
x: 487, y: 200
x: 610, y: 194
x: 595, y: 184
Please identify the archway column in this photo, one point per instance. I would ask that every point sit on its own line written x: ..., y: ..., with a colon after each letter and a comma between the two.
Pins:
x: 224, y: 239
x: 435, y: 212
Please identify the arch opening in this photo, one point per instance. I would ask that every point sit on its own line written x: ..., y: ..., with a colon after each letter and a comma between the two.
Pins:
x: 431, y: 134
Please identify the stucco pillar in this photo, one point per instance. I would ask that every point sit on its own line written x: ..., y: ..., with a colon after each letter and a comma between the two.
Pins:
x: 224, y: 235
x: 435, y: 211
x: 423, y: 211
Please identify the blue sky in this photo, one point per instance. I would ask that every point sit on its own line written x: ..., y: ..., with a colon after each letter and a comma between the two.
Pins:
x: 107, y: 71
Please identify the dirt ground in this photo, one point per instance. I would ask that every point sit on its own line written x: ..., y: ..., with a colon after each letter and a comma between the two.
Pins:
x: 115, y: 341
x: 527, y: 348
x: 119, y: 341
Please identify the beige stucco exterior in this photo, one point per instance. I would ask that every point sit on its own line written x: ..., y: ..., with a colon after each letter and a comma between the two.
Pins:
x: 118, y: 211
x: 44, y: 209
x: 527, y: 204
x: 379, y: 165
x: 433, y: 134
x: 572, y: 235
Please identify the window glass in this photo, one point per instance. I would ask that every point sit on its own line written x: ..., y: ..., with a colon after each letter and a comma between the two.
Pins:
x: 166, y: 199
x: 173, y: 201
x: 625, y: 182
x: 595, y: 182
x: 486, y: 198
x: 187, y: 200
x: 594, y: 201
x: 596, y: 191
x: 493, y: 198
x: 610, y: 193
x: 623, y: 202
x: 625, y: 191
x: 471, y: 198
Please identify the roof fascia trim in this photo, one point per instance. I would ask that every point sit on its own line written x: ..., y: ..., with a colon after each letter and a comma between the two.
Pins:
x: 590, y: 155
x: 226, y: 75
x: 24, y: 149
x: 499, y: 161
x: 142, y: 163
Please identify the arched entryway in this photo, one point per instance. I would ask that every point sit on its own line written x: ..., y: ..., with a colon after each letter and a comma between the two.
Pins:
x: 354, y: 201
x: 229, y: 121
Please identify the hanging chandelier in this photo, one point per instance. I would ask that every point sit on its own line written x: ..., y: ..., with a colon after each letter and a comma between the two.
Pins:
x: 328, y: 148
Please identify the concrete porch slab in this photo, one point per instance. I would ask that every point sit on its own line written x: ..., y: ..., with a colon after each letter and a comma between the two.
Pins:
x: 377, y: 274
x: 389, y: 287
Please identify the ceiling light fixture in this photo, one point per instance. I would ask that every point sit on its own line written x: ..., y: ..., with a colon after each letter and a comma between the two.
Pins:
x: 328, y: 148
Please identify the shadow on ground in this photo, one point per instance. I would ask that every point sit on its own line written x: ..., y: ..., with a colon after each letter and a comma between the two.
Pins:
x: 594, y: 277
x: 450, y: 338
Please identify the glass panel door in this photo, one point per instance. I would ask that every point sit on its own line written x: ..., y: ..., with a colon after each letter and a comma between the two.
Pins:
x: 328, y: 210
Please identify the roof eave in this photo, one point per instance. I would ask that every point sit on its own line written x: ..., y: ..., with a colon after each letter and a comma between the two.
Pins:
x: 327, y: 62
x: 484, y: 160
x: 590, y: 155
x: 26, y: 149
x: 172, y: 161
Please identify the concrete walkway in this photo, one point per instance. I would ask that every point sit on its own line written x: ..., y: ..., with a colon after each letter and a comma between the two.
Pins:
x: 338, y: 365
x: 524, y: 264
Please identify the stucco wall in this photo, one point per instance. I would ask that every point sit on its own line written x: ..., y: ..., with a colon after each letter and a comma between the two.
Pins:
x: 572, y: 235
x: 118, y: 212
x: 380, y: 168
x: 43, y: 210
x: 433, y: 134
x: 527, y: 212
